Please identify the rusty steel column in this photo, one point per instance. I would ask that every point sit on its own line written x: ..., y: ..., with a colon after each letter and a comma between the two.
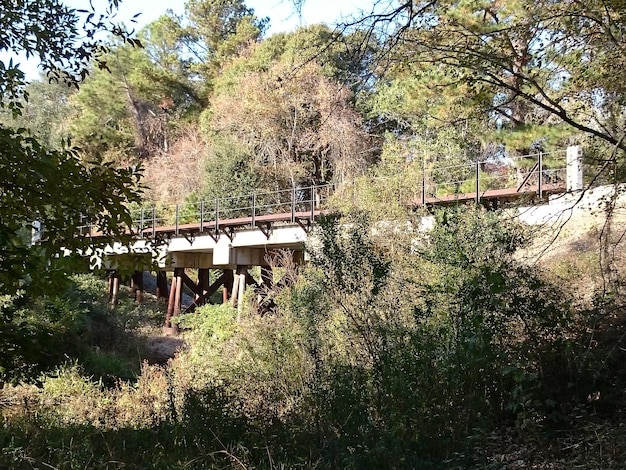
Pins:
x: 228, y: 285
x: 115, y: 291
x: 137, y: 284
x: 161, y: 285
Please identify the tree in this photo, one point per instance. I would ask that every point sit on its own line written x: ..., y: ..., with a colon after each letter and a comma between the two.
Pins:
x: 219, y: 30
x: 523, y: 63
x: 171, y: 67
x: 134, y: 111
x: 333, y: 51
x: 39, y: 184
x: 40, y: 113
x: 300, y: 126
x: 121, y: 114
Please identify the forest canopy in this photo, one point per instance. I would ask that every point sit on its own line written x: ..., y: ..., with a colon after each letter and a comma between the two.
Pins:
x: 210, y: 107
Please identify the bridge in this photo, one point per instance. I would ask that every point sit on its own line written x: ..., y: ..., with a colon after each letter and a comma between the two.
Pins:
x: 231, y: 235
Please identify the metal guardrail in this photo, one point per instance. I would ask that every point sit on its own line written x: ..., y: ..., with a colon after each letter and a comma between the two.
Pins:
x: 529, y: 173
x: 539, y: 173
x: 535, y: 172
x: 292, y: 202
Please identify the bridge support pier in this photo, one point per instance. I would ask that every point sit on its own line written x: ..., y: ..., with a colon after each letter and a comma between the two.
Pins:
x: 203, y: 283
x: 178, y: 291
x: 235, y: 294
x: 242, y: 272
x: 161, y: 285
x: 228, y: 285
x: 136, y: 284
x: 239, y: 286
x: 174, y: 302
x: 110, y: 284
x: 114, y: 288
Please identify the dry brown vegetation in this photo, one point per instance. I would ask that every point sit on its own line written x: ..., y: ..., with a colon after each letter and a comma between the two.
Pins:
x: 174, y: 175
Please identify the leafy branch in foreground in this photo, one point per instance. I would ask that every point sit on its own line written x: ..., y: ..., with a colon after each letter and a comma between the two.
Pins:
x: 519, y: 63
x: 56, y: 189
x: 53, y: 187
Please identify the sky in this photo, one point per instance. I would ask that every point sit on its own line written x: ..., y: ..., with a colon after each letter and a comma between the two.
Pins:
x: 281, y: 13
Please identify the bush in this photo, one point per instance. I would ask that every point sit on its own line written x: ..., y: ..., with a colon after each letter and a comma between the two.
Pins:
x: 449, y: 337
x: 393, y: 349
x: 40, y: 334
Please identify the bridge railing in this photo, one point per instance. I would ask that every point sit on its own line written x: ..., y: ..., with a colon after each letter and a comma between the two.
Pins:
x: 246, y: 209
x: 494, y: 177
x: 530, y: 173
x: 536, y: 173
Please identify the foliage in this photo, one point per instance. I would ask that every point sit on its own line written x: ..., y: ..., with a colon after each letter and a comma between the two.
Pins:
x: 47, y: 331
x: 171, y: 177
x: 455, y: 312
x: 55, y: 189
x: 121, y: 114
x: 51, y: 187
x: 218, y: 31
x: 230, y: 174
x: 63, y: 50
x: 523, y: 63
x: 394, y: 349
x: 300, y: 127
x: 134, y: 111
x: 331, y: 49
x: 41, y: 113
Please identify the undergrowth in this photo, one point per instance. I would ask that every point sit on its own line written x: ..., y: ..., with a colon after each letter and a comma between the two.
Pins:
x: 392, y: 350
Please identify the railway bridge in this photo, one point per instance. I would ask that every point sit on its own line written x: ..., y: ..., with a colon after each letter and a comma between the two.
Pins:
x: 228, y: 236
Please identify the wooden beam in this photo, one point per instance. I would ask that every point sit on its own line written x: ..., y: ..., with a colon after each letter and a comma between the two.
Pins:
x: 203, y: 281
x: 115, y: 290
x: 110, y: 279
x: 235, y: 294
x: 137, y: 284
x: 179, y: 275
x: 250, y: 280
x: 242, y: 274
x: 228, y: 285
x: 530, y: 173
x: 189, y: 283
x: 212, y: 289
x: 161, y: 285
x: 170, y: 304
x: 267, y: 276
